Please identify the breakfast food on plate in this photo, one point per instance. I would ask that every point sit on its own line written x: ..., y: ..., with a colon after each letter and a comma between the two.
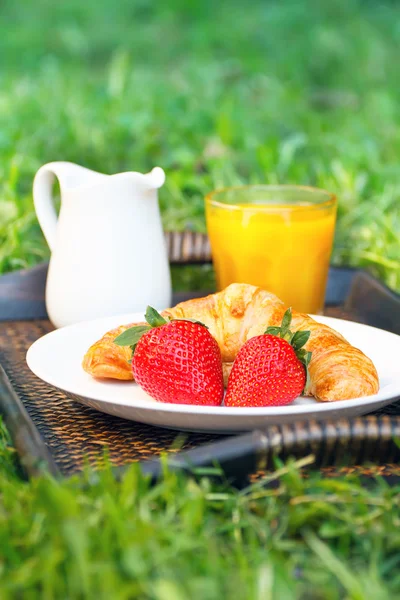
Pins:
x: 177, y: 361
x: 337, y: 370
x: 270, y: 369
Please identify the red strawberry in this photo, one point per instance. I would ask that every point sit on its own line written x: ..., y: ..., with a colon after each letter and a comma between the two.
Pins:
x: 270, y: 370
x: 177, y: 361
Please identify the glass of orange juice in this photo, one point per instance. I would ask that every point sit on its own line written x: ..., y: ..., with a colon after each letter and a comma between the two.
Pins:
x: 278, y: 237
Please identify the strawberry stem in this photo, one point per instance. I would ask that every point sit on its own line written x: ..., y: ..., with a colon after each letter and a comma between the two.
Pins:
x: 131, y: 336
x: 297, y: 340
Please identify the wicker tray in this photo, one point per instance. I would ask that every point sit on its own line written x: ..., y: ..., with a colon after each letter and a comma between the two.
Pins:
x: 52, y: 431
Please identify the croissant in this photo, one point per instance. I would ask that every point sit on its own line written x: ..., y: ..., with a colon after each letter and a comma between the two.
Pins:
x: 337, y: 370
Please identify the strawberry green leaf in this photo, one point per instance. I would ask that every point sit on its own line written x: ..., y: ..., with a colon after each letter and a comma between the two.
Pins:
x: 287, y: 335
x: 286, y: 321
x: 296, y: 340
x: 273, y: 330
x: 131, y: 336
x: 306, y: 363
x: 300, y: 338
x: 154, y: 318
x: 301, y: 355
x: 305, y: 357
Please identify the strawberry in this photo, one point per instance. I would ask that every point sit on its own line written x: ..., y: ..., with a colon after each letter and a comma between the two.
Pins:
x: 175, y: 361
x: 270, y: 369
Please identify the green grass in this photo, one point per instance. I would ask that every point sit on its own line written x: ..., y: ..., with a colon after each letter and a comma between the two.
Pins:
x: 216, y: 93
x: 187, y: 537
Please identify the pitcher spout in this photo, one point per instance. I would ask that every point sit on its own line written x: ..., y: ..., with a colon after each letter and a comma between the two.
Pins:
x: 156, y: 177
x: 149, y: 181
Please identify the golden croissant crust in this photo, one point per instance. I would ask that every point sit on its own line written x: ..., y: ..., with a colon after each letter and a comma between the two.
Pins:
x: 338, y: 371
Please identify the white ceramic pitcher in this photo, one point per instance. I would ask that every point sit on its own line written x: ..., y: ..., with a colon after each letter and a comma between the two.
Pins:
x: 108, y: 253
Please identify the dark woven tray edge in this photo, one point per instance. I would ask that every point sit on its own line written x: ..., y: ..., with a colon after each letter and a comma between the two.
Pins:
x: 34, y: 455
x: 346, y: 442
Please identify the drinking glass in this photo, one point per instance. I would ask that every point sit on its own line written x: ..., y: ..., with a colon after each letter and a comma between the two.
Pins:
x: 278, y: 237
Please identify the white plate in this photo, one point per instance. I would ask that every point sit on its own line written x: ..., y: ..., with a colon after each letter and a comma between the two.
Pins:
x: 56, y: 358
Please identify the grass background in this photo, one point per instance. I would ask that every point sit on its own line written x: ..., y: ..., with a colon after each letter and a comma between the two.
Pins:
x: 216, y: 93
x: 285, y: 538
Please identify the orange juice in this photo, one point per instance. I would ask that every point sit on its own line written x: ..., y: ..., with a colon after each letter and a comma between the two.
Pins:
x: 283, y: 248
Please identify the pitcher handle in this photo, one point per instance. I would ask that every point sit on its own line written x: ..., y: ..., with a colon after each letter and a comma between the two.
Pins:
x: 43, y: 201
